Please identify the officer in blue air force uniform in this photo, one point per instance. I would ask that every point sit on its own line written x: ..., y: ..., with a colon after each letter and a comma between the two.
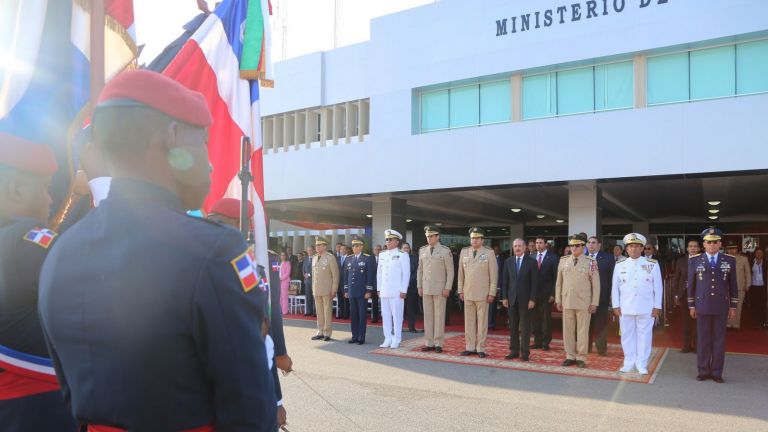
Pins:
x: 357, y: 277
x: 713, y: 296
x: 152, y: 317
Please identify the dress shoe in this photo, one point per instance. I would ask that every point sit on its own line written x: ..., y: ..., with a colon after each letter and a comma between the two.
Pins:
x: 481, y: 354
x: 511, y: 356
x: 626, y: 369
x: 702, y: 377
x: 686, y: 350
x: 569, y: 362
x: 438, y: 349
x: 581, y: 364
x: 395, y: 345
x: 642, y: 371
x: 427, y: 348
x: 386, y: 343
x: 327, y: 338
x: 466, y: 353
x: 718, y: 379
x: 524, y: 357
x: 317, y: 337
x: 361, y: 342
x: 537, y: 346
x: 545, y: 348
x: 351, y: 341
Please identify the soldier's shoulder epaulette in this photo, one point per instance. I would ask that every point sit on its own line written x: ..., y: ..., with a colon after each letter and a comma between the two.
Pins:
x: 466, y: 248
x: 564, y: 257
x: 365, y: 254
x: 622, y: 259
x: 694, y: 256
x: 589, y: 257
x: 272, y: 252
x: 651, y: 260
x: 425, y: 246
x: 732, y: 256
x: 205, y: 220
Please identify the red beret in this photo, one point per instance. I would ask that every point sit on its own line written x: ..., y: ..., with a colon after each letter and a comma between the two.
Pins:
x: 26, y: 156
x: 157, y: 91
x: 230, y: 207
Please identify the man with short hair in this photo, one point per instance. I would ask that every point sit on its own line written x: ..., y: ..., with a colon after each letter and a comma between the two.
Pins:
x: 541, y: 319
x: 617, y: 253
x: 342, y: 303
x: 530, y: 249
x: 434, y: 280
x: 743, y: 279
x: 392, y: 277
x: 637, y: 290
x: 358, y: 286
x: 598, y: 326
x: 681, y: 281
x: 140, y: 297
x: 306, y: 269
x: 713, y: 295
x: 518, y: 295
x: 375, y: 307
x: 325, y: 280
x: 412, y: 298
x: 577, y: 294
x: 478, y: 274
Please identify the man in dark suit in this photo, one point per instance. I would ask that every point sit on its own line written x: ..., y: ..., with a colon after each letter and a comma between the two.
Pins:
x: 375, y: 309
x: 680, y: 282
x: 306, y: 269
x: 598, y: 327
x: 412, y: 297
x: 518, y: 295
x: 342, y: 303
x: 541, y: 315
x: 493, y: 308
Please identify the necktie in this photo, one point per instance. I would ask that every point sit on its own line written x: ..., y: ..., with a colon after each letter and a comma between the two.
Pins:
x: 431, y: 250
x: 474, y: 254
x: 518, y: 264
x: 712, y: 261
x: 539, y: 260
x: 575, y: 261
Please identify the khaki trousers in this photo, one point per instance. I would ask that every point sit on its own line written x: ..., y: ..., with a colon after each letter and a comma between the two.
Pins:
x: 736, y: 322
x: 324, y: 309
x: 576, y: 333
x: 434, y: 319
x: 476, y: 324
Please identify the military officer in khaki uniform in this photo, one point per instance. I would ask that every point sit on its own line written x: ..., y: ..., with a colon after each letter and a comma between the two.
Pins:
x: 325, y: 281
x: 478, y: 273
x: 577, y: 294
x: 743, y: 279
x: 434, y: 280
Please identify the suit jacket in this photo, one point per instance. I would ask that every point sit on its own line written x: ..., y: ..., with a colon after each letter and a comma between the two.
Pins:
x: 325, y: 274
x: 743, y: 272
x: 578, y: 285
x: 276, y: 312
x: 605, y: 265
x: 712, y: 290
x: 435, y: 271
x: 520, y: 286
x: 477, y: 274
x: 547, y: 276
x: 414, y: 270
x: 358, y: 275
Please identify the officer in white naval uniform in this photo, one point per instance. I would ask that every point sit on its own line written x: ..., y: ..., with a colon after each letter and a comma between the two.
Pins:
x: 636, y: 297
x: 392, y: 276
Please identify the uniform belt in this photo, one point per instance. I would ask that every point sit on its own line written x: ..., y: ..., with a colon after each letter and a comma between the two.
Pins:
x: 25, y: 374
x: 98, y: 428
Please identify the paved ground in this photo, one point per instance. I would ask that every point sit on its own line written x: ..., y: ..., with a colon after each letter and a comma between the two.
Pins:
x: 341, y: 387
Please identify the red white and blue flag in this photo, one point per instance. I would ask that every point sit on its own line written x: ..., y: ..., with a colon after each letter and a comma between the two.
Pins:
x: 212, y: 63
x: 40, y: 236
x: 246, y: 271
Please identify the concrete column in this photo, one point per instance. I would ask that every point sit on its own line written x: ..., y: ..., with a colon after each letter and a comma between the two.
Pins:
x: 350, y: 128
x: 584, y: 209
x: 309, y: 127
x: 388, y: 213
x: 298, y: 243
x: 363, y: 119
x: 284, y: 241
x: 277, y: 135
x: 309, y: 240
x: 639, y: 62
x: 298, y: 129
x: 324, y: 113
x: 516, y: 231
x: 287, y: 131
x: 337, y: 123
x: 517, y: 97
x: 641, y: 228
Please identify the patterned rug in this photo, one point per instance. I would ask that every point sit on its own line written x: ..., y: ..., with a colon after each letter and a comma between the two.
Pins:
x: 540, y: 361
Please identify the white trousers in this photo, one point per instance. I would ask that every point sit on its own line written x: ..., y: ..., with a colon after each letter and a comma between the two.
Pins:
x: 636, y: 339
x: 392, y: 312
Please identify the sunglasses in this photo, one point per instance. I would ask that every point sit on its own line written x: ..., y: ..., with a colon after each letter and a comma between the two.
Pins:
x: 711, y: 241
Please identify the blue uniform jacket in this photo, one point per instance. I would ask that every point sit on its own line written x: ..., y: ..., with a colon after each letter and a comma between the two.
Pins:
x: 153, y: 319
x: 712, y: 290
x: 359, y: 275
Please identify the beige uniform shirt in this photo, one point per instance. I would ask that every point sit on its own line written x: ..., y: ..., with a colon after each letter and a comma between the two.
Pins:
x: 325, y: 274
x: 435, y: 272
x: 578, y: 285
x: 478, y: 273
x: 743, y: 272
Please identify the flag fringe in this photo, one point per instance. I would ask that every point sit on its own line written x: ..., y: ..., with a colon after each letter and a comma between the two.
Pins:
x: 113, y: 25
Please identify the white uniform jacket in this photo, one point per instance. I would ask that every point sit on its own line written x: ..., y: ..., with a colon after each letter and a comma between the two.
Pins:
x: 637, y: 286
x: 393, y: 273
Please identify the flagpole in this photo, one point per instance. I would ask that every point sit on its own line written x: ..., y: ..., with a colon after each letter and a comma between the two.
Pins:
x: 97, y: 50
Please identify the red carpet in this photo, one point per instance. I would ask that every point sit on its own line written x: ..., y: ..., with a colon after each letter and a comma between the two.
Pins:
x: 497, y: 347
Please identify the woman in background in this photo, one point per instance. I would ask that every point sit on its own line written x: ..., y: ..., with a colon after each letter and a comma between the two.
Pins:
x: 285, y: 281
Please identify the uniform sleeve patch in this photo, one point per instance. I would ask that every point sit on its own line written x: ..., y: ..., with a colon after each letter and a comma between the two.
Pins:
x: 245, y: 270
x: 41, y: 237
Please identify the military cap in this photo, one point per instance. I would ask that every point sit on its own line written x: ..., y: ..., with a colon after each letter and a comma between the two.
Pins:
x: 26, y: 156
x: 476, y: 232
x: 357, y: 240
x: 731, y: 244
x: 711, y: 234
x: 577, y: 239
x: 635, y: 238
x: 230, y: 207
x: 320, y: 241
x: 154, y: 90
x: 431, y: 230
x: 390, y: 234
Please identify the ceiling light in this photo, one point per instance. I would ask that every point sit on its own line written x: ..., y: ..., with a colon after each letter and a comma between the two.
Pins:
x: 713, y: 203
x: 714, y: 211
x: 713, y: 217
x: 439, y: 224
x: 369, y: 216
x: 516, y: 210
x: 409, y: 220
x: 559, y: 221
x: 540, y: 216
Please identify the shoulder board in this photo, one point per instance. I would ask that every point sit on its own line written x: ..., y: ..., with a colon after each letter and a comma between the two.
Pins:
x: 589, y: 257
x: 40, y: 236
x: 206, y: 220
x: 651, y: 260
x: 732, y: 256
x: 564, y: 257
x: 622, y: 259
x: 465, y: 248
x: 271, y: 251
x: 365, y: 254
x: 694, y: 256
x: 425, y: 246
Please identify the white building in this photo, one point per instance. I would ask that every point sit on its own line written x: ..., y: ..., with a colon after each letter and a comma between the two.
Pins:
x: 600, y: 116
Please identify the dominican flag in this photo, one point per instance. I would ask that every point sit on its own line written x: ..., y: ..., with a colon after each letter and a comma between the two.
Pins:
x: 224, y: 59
x: 41, y: 236
x: 27, y: 365
x: 45, y: 70
x: 246, y: 271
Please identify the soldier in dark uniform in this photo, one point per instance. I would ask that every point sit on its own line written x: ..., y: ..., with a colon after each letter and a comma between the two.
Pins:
x: 30, y: 400
x: 681, y: 280
x: 153, y: 317
x: 713, y: 295
x: 357, y: 277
